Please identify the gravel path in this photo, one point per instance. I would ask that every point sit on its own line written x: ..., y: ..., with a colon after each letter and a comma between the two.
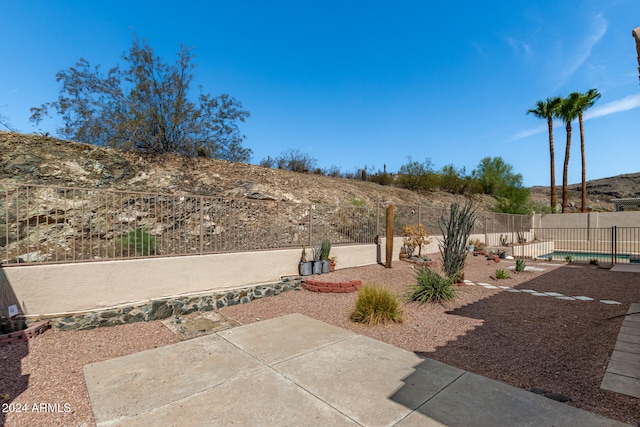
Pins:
x: 524, y: 340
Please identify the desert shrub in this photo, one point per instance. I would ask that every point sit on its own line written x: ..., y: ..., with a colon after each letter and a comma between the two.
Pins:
x: 292, y: 160
x: 138, y: 243
x: 431, y: 286
x: 455, y: 231
x: 477, y: 244
x: 568, y: 258
x: 417, y: 176
x: 501, y: 274
x: 375, y: 305
x: 520, y: 265
x: 452, y: 180
x: 414, y: 236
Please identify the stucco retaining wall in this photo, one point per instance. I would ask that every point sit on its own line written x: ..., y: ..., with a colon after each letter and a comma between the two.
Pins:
x: 62, y: 288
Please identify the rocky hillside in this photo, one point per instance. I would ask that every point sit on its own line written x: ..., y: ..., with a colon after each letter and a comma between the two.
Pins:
x: 45, y: 160
x: 599, y: 192
x: 60, y: 226
x: 38, y: 159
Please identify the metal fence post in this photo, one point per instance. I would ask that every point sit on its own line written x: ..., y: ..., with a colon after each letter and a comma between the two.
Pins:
x: 378, y: 219
x: 201, y: 225
x: 613, y: 244
x: 310, y: 224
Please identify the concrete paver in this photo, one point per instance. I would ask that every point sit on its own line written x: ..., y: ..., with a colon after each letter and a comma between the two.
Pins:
x: 294, y: 370
x: 626, y: 268
x: 263, y: 398
x: 623, y: 372
x: 142, y: 381
x: 369, y: 372
x: 273, y: 342
x: 477, y: 401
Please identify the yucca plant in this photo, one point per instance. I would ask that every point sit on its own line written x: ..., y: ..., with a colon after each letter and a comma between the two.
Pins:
x: 375, y: 305
x: 520, y: 265
x: 431, y: 286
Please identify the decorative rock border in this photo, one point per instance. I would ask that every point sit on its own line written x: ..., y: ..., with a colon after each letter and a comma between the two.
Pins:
x: 163, y: 308
x: 336, y: 287
x: 32, y: 331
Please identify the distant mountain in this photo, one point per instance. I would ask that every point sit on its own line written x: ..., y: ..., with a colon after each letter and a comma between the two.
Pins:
x: 599, y: 191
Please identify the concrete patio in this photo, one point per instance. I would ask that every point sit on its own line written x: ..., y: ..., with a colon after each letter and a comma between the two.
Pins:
x: 296, y: 371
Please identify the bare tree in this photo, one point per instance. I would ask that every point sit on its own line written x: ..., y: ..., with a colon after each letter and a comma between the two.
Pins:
x: 146, y: 107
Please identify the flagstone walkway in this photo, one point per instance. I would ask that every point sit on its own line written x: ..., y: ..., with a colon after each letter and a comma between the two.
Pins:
x: 535, y: 293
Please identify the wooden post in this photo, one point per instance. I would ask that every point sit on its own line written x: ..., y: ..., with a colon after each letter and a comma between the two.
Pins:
x: 389, y: 246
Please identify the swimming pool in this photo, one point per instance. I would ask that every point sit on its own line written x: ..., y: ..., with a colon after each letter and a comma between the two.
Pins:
x: 588, y: 256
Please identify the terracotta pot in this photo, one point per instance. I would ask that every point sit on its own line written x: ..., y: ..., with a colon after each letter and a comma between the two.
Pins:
x: 404, y: 255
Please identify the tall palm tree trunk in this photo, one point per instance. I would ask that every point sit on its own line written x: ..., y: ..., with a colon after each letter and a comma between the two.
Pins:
x: 583, y: 206
x: 553, y: 165
x: 565, y: 171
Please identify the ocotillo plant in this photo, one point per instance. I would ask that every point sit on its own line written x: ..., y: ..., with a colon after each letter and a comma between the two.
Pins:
x: 455, y: 230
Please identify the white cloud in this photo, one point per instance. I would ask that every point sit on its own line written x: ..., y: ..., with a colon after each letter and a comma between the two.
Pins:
x: 518, y: 46
x: 528, y: 133
x: 627, y: 103
x: 599, y: 29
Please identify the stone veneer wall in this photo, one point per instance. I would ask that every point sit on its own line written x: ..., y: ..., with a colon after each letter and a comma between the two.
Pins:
x: 166, y: 307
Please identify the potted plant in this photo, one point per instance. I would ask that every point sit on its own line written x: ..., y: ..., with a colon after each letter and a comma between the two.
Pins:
x: 306, y: 267
x: 521, y: 238
x: 332, y: 263
x: 326, y: 248
x: 317, y: 261
x: 403, y: 252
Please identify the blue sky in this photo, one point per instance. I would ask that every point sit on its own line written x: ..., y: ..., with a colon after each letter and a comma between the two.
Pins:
x: 355, y: 83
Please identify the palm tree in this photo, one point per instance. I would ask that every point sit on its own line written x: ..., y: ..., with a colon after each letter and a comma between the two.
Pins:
x: 585, y: 102
x: 568, y: 111
x: 548, y: 110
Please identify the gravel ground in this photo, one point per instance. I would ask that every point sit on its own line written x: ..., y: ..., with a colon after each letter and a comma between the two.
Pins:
x: 523, y: 340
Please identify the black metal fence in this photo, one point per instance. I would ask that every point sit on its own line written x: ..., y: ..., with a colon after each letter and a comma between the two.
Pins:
x: 615, y: 245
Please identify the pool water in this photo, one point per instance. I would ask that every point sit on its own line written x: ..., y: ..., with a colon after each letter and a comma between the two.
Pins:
x: 588, y: 256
